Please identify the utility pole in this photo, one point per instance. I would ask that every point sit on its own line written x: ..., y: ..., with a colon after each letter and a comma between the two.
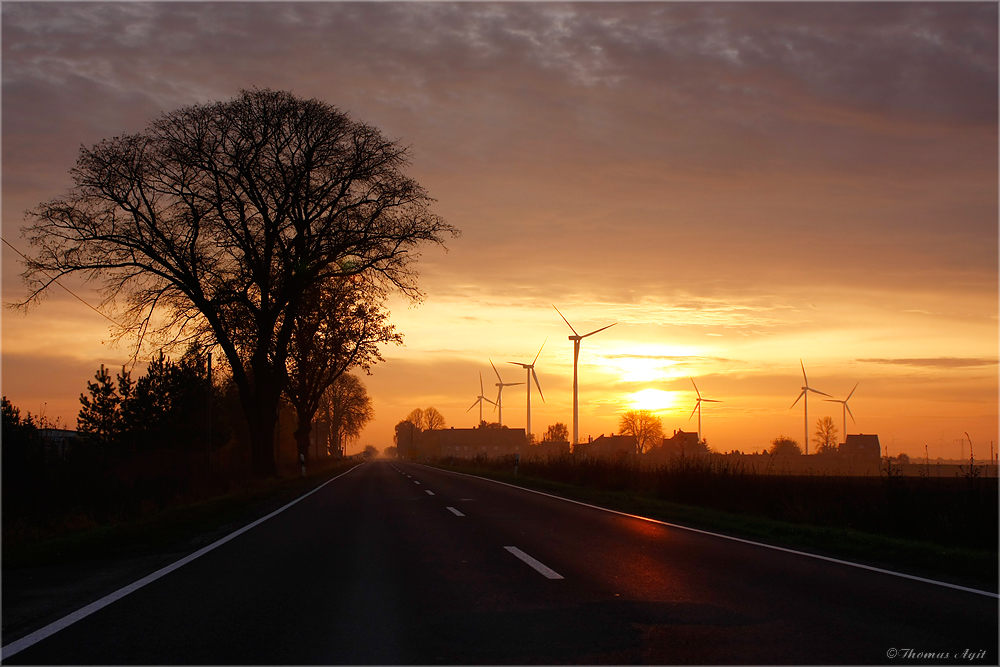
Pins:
x: 211, y: 391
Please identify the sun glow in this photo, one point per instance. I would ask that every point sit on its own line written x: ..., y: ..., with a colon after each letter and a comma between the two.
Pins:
x: 652, y: 399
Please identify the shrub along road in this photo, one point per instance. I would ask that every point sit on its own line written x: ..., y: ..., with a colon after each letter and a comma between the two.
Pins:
x: 397, y: 563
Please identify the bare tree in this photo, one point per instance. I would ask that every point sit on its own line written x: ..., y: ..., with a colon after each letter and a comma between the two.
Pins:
x: 557, y: 432
x: 340, y: 326
x: 433, y: 418
x: 825, y: 437
x: 217, y: 220
x: 348, y: 408
x: 418, y: 419
x: 644, y: 425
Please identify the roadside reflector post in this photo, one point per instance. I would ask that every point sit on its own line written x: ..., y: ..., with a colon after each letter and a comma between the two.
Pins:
x: 517, y: 460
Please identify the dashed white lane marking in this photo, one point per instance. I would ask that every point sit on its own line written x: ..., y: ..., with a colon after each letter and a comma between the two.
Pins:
x: 546, y: 571
x: 429, y: 492
x: 416, y: 482
x: 38, y: 635
x: 455, y: 511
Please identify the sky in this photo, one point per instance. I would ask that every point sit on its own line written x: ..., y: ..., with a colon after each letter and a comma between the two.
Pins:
x: 738, y: 186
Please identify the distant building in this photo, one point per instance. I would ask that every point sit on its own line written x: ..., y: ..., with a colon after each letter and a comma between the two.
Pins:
x: 468, y: 442
x: 681, y: 443
x: 861, y: 448
x: 607, y: 446
x: 57, y: 442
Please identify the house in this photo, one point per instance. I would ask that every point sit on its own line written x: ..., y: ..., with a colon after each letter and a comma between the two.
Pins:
x: 861, y: 448
x: 681, y: 443
x: 57, y: 442
x: 607, y: 446
x: 470, y: 442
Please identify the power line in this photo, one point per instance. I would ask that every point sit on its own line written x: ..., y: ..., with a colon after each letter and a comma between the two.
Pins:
x: 56, y: 281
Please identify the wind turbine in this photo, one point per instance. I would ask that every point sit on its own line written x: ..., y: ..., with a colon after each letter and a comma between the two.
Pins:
x: 697, y: 406
x: 501, y: 384
x: 805, y: 393
x: 576, y: 338
x: 530, y: 369
x: 847, y: 409
x: 480, y: 400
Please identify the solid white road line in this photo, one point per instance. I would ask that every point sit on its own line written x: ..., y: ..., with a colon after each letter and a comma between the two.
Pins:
x: 455, y: 511
x: 429, y: 492
x: 547, y: 572
x: 38, y: 635
x: 739, y: 539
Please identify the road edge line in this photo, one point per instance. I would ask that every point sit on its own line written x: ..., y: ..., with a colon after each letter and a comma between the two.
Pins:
x: 52, y: 628
x: 731, y: 537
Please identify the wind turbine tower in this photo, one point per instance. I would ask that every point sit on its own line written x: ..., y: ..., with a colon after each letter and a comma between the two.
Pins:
x: 697, y: 406
x: 480, y: 400
x: 530, y: 370
x: 576, y: 338
x: 805, y: 403
x: 501, y: 384
x: 846, y: 410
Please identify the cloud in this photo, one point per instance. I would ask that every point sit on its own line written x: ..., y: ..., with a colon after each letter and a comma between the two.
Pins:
x: 936, y: 362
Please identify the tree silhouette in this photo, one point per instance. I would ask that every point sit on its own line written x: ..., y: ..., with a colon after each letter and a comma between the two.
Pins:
x: 348, y: 408
x: 339, y: 326
x: 644, y: 425
x: 100, y: 419
x: 217, y: 221
x: 433, y: 418
x: 783, y: 445
x: 557, y: 432
x: 825, y: 437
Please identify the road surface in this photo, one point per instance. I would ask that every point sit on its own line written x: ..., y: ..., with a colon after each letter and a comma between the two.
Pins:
x: 397, y: 563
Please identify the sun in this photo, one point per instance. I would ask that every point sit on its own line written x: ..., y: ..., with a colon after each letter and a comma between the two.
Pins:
x: 655, y: 400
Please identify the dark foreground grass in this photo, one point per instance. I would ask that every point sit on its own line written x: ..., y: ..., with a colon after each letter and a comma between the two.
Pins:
x: 193, y: 525
x: 961, y: 565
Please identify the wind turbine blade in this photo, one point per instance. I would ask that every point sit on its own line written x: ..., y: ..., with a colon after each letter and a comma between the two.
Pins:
x: 496, y: 371
x: 536, y: 383
x: 833, y: 400
x: 693, y: 410
x: 539, y: 352
x: 598, y: 330
x: 816, y: 391
x: 518, y: 363
x: 566, y: 321
x: 511, y: 384
x: 695, y: 387
x: 474, y: 403
x: 797, y: 399
x: 481, y: 392
x: 804, y: 372
x: 487, y: 400
x: 850, y: 413
x: 710, y: 400
x: 852, y: 393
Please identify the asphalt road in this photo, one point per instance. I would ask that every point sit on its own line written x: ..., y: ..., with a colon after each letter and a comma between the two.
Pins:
x: 397, y: 563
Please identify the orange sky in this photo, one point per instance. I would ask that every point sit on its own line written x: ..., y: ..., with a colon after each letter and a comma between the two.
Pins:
x: 738, y: 186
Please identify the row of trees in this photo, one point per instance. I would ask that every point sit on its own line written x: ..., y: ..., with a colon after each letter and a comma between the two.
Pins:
x: 268, y: 225
x: 171, y: 407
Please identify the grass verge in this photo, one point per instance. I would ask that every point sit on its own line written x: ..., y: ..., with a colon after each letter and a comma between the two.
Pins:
x: 192, y: 526
x: 962, y: 566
